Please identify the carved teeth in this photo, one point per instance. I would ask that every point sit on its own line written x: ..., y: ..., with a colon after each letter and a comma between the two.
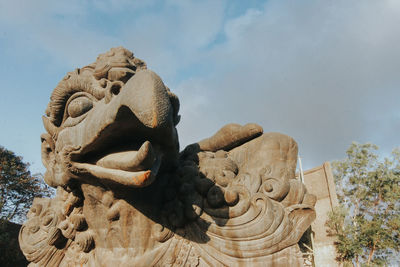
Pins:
x: 139, y: 160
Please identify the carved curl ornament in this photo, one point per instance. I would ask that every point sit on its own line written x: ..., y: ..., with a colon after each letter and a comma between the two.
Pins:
x: 127, y: 197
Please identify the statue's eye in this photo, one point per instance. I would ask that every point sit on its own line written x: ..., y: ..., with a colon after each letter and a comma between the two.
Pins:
x: 79, y: 106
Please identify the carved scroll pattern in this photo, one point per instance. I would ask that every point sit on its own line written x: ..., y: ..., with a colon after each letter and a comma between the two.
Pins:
x: 54, y: 226
x: 238, y: 226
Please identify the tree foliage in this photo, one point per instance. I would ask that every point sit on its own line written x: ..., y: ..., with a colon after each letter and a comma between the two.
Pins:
x: 10, y: 253
x: 366, y: 224
x: 18, y: 187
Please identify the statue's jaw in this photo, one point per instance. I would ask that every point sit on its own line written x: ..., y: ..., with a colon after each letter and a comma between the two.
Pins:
x: 133, y: 168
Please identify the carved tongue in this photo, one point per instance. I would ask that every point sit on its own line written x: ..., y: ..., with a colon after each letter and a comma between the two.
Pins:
x: 143, y: 159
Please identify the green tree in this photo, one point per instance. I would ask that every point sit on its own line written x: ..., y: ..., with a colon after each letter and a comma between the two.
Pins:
x: 367, y: 222
x: 18, y: 187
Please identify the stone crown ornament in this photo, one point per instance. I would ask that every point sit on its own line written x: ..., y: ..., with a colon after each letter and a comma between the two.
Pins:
x: 126, y: 196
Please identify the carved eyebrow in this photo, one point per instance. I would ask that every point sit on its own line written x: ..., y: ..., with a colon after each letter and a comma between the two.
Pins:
x: 74, y: 82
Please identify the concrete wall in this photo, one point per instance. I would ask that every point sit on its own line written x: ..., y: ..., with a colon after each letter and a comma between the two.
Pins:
x: 319, y: 181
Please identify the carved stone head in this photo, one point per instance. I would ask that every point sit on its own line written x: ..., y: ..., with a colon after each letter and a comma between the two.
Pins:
x: 113, y: 119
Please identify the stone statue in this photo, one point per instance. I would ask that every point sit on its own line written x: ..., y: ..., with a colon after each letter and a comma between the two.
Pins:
x: 126, y: 196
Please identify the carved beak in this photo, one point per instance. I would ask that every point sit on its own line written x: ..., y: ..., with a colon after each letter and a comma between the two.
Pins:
x: 146, y: 96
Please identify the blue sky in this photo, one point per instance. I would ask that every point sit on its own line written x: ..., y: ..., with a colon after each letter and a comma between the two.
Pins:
x: 324, y: 72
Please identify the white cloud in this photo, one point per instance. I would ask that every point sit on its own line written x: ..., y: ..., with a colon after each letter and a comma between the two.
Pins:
x: 324, y: 72
x: 235, y: 28
x: 316, y: 71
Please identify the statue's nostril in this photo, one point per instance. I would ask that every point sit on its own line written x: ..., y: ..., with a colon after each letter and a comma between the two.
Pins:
x: 115, y: 89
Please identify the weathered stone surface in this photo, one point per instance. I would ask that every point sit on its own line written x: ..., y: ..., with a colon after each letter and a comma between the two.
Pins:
x: 127, y: 197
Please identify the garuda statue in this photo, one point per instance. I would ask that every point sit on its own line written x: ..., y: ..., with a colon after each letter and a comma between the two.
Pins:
x: 126, y: 196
